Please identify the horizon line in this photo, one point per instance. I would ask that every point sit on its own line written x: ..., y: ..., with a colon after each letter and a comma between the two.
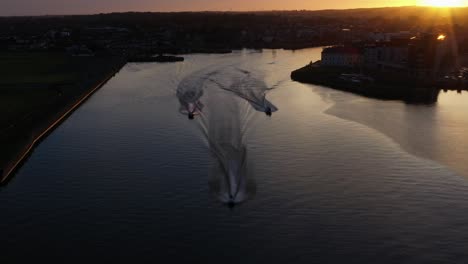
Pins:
x: 228, y: 11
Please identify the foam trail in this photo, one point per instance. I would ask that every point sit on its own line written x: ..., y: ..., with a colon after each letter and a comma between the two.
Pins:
x: 230, y: 179
x: 246, y: 85
x: 190, y: 90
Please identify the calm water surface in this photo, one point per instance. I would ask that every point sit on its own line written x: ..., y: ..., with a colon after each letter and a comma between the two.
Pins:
x: 337, y: 177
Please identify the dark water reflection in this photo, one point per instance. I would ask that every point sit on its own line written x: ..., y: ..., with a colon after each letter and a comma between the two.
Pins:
x: 126, y: 176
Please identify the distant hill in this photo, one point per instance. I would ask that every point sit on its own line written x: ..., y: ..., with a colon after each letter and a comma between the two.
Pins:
x: 421, y: 13
x: 384, y: 12
x: 385, y: 18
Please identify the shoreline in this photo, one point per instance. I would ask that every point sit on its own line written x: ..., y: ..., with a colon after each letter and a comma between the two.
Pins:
x: 263, y: 46
x: 26, y: 148
x: 377, y: 121
x: 408, y: 91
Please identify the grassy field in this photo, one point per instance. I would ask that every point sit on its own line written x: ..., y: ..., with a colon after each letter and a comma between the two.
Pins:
x: 36, y: 87
x: 35, y: 67
x: 27, y: 81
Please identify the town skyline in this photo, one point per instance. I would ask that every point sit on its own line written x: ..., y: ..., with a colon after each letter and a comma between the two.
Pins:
x: 55, y: 7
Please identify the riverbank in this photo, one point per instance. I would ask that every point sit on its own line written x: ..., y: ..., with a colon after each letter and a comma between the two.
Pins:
x: 378, y: 86
x: 39, y: 90
x: 159, y: 58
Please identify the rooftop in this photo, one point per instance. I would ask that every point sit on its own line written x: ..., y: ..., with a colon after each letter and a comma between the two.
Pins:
x: 341, y: 50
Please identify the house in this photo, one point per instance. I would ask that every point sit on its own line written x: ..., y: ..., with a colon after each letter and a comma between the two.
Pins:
x: 340, y: 56
x: 393, y: 55
x: 388, y: 36
x: 428, y: 54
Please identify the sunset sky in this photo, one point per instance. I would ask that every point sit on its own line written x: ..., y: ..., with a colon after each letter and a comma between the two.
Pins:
x: 44, y: 7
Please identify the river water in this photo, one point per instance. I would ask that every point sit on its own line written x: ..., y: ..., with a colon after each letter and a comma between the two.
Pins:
x: 328, y: 177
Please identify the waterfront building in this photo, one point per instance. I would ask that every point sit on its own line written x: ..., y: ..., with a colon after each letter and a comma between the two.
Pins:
x: 340, y: 56
x: 427, y: 55
x: 393, y: 55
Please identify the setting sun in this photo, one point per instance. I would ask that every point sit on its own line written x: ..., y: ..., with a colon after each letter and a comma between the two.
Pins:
x: 444, y: 3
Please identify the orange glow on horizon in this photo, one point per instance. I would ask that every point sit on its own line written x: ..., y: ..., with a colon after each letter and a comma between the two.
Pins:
x: 443, y: 3
x: 50, y: 7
